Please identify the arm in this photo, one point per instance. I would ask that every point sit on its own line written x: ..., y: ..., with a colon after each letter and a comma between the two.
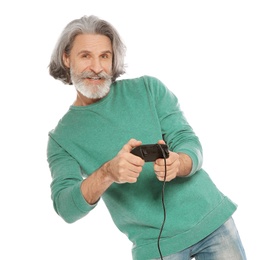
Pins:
x: 185, y: 148
x: 73, y: 197
x: 125, y: 167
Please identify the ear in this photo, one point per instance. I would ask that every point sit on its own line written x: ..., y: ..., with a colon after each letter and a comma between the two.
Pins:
x: 66, y: 60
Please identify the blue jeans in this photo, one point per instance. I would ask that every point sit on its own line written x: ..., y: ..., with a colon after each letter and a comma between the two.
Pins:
x: 222, y: 244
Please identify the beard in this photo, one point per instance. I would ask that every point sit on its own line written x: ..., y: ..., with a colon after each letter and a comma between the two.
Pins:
x: 92, y: 91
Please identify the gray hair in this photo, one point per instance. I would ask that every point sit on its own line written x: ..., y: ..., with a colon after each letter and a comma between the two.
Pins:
x: 89, y: 25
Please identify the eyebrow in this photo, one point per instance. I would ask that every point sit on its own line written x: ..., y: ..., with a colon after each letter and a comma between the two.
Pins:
x: 85, y: 51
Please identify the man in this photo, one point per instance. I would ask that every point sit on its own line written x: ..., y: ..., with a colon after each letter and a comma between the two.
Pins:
x: 89, y: 154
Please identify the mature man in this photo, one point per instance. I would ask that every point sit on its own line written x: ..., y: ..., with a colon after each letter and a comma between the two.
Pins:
x: 90, y: 154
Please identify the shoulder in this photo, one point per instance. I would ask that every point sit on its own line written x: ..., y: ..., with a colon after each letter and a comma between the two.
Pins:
x: 145, y: 81
x: 144, y: 78
x: 65, y: 125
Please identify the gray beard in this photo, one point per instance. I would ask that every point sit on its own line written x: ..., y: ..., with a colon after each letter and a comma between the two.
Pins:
x: 89, y: 90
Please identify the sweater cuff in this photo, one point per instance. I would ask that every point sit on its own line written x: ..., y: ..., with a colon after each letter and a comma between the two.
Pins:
x: 80, y: 201
x: 196, y: 158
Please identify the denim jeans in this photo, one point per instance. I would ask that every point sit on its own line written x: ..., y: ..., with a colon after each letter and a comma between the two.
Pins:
x: 222, y: 244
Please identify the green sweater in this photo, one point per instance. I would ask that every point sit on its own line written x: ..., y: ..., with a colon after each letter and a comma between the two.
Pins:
x: 88, y: 136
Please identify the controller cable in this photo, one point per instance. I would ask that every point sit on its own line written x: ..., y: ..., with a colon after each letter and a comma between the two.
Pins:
x: 163, y: 201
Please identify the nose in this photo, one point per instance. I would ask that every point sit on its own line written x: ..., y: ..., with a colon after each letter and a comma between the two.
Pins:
x: 96, y: 66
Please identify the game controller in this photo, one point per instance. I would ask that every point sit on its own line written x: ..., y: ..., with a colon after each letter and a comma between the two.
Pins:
x: 151, y: 152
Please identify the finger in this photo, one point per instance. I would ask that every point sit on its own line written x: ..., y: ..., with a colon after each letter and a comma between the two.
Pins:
x: 129, y: 174
x: 170, y: 174
x: 127, y: 157
x: 135, y: 169
x: 167, y: 179
x: 127, y: 179
x: 161, y: 162
x: 173, y: 157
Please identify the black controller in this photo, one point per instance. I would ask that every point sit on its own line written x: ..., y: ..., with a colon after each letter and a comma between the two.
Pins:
x: 151, y: 152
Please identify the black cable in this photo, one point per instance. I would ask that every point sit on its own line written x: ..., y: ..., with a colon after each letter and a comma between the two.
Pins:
x: 163, y: 201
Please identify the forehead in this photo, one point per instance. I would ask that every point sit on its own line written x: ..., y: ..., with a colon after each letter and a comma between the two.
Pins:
x: 91, y: 43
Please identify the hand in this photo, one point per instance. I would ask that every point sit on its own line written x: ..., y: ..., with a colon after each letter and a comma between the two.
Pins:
x: 173, y: 164
x: 125, y: 167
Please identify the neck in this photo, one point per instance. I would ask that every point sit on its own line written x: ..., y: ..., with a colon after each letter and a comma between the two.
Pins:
x: 84, y: 101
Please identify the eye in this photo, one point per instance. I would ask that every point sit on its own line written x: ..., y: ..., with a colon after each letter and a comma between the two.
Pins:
x: 85, y: 55
x: 105, y: 56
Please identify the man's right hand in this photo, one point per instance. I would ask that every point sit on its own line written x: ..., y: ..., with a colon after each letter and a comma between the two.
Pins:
x: 125, y: 167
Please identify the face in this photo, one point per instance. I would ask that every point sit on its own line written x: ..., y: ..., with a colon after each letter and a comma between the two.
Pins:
x: 90, y: 63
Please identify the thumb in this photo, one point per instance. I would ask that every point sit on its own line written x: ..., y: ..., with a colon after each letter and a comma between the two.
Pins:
x: 161, y: 142
x: 130, y: 145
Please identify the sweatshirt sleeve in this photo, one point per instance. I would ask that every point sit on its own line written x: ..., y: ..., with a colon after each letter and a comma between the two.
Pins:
x: 68, y: 200
x: 176, y: 131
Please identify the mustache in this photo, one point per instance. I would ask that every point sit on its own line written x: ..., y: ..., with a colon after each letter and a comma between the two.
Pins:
x: 91, y: 74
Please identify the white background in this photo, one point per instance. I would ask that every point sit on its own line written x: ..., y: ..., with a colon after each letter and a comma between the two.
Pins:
x: 207, y: 52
